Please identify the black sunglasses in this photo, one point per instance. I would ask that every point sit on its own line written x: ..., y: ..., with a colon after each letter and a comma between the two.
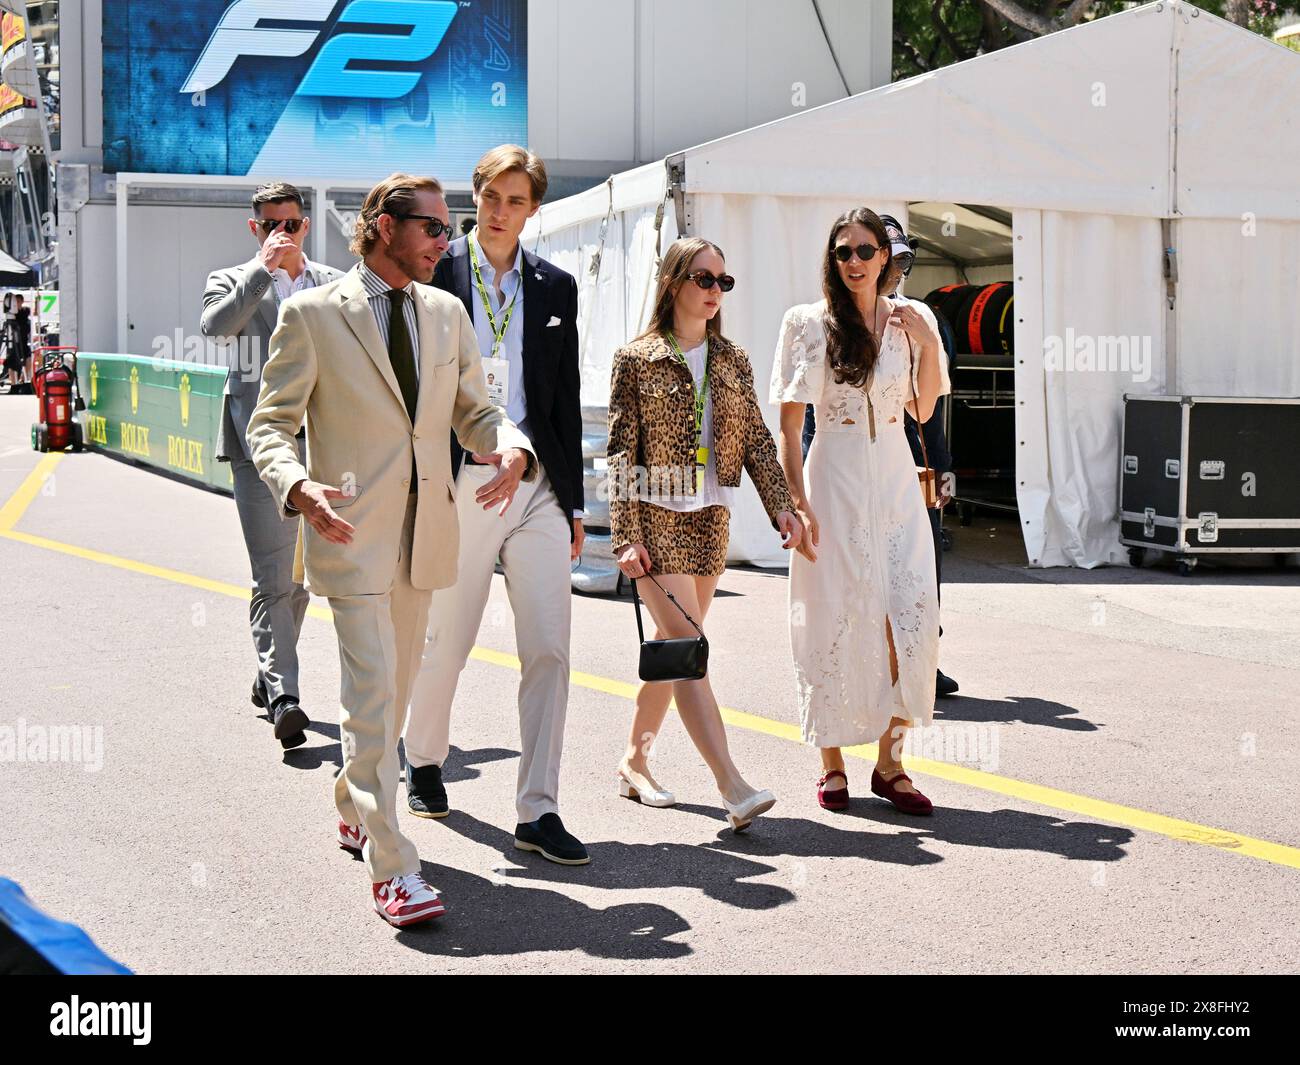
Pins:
x: 291, y: 225
x: 706, y: 280
x: 433, y: 227
x: 864, y: 252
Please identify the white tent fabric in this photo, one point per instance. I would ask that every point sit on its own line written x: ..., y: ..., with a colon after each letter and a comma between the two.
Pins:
x: 10, y: 265
x: 1090, y: 138
x: 617, y: 223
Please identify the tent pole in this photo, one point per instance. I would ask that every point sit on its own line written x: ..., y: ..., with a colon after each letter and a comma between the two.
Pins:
x: 123, y: 332
x: 1167, y: 227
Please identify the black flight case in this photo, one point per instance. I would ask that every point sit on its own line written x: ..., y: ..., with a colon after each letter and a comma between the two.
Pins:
x: 1209, y: 475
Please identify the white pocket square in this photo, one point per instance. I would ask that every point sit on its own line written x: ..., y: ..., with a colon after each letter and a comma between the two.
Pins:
x: 553, y: 321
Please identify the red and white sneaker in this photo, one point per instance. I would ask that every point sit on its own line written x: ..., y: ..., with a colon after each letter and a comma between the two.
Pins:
x: 407, y: 900
x: 350, y: 838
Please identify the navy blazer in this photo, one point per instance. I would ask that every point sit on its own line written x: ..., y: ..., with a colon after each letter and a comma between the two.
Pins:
x: 551, y: 370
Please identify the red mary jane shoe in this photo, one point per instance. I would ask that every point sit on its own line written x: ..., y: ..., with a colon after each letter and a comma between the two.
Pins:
x: 833, y: 799
x: 907, y: 801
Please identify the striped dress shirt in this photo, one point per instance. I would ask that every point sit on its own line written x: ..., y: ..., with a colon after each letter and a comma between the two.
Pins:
x: 381, y: 306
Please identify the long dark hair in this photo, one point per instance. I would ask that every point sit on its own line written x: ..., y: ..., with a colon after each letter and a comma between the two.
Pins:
x: 672, y: 274
x: 850, y: 345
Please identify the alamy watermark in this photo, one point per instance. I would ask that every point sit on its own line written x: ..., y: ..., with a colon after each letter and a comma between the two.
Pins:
x: 72, y: 744
x: 242, y: 353
x: 1089, y: 353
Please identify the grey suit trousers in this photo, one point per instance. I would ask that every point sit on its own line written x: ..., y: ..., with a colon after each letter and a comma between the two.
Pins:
x: 279, y: 604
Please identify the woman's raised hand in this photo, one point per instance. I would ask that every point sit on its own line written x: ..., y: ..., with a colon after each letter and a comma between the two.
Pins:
x: 914, y: 324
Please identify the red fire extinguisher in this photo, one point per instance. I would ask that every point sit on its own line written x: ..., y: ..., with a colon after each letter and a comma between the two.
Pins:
x: 57, y: 400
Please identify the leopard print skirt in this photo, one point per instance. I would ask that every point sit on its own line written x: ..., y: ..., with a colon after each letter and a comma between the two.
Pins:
x: 694, y: 543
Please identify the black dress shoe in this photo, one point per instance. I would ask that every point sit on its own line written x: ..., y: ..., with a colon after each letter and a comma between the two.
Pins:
x: 258, y: 696
x: 548, y: 838
x: 944, y: 685
x: 425, y: 795
x: 289, y: 719
x: 296, y: 740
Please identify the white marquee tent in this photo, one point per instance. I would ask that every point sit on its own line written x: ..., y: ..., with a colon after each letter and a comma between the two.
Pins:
x: 1159, y: 127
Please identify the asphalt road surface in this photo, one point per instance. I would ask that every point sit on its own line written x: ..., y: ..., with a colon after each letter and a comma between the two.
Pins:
x: 1115, y: 787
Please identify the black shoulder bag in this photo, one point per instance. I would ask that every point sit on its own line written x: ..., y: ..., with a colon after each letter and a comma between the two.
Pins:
x: 683, y: 658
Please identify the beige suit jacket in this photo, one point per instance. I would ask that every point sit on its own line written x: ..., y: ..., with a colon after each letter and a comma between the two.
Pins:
x: 328, y: 364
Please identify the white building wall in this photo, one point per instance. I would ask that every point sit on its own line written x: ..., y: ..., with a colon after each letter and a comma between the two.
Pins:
x: 628, y: 81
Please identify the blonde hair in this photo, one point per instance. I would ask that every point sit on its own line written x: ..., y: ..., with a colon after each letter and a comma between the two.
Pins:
x: 673, y: 269
x: 505, y: 158
x: 395, y: 195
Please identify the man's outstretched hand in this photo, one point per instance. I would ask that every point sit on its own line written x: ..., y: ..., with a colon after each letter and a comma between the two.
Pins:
x: 311, y: 499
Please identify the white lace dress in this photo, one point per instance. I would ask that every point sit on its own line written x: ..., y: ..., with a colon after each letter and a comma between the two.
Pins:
x: 876, y: 556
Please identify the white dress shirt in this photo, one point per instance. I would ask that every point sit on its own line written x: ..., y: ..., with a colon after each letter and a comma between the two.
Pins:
x: 512, y: 344
x: 286, y: 286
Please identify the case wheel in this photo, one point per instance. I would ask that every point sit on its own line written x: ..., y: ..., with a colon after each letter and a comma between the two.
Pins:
x: 78, y: 443
x: 1186, y: 566
x: 1135, y: 556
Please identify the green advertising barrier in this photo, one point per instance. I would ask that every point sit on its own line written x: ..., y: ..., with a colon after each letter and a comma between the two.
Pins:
x: 159, y: 412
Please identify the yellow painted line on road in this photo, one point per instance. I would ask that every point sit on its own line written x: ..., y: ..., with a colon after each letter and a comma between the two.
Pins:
x: 17, y: 504
x: 1125, y: 816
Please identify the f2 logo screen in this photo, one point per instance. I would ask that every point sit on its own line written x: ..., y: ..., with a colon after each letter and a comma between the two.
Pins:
x: 335, y: 89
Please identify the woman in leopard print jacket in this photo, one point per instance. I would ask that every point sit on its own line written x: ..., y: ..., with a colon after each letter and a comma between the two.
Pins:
x: 683, y: 420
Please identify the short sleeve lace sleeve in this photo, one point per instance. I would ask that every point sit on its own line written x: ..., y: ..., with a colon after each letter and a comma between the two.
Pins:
x: 799, y: 369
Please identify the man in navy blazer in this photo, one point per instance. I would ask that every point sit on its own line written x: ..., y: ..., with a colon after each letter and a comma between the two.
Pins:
x: 525, y: 315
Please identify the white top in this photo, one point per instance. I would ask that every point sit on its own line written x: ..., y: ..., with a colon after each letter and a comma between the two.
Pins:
x: 285, y: 286
x: 710, y: 493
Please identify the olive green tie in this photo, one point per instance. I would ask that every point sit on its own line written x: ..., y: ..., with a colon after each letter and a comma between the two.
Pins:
x: 400, y: 351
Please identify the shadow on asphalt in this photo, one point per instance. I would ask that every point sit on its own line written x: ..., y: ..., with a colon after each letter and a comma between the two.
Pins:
x: 1084, y: 841
x: 637, y: 866
x: 501, y: 919
x: 491, y: 917
x: 459, y: 764
x: 1025, y: 710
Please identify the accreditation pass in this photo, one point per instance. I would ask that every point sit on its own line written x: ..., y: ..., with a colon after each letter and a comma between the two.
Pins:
x: 496, y: 372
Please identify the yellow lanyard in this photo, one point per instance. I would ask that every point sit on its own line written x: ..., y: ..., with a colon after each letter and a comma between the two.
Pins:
x: 701, y: 396
x: 498, y: 335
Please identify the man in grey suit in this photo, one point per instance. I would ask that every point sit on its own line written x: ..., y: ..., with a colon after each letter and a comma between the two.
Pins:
x: 242, y: 303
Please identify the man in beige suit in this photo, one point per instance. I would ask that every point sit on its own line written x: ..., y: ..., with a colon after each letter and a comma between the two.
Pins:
x: 383, y: 369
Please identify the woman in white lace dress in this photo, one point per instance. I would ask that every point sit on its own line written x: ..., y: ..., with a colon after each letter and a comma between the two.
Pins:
x: 864, y: 613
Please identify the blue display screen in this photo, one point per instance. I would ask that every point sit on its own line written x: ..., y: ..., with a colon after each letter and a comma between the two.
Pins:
x: 343, y: 89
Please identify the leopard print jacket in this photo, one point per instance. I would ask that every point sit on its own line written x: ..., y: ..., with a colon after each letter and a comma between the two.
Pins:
x: 652, y: 428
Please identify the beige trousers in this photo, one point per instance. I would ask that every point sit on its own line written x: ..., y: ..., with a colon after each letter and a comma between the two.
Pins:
x: 380, y: 640
x: 532, y: 541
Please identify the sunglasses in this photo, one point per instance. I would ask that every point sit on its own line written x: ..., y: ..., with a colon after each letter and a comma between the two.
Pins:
x: 706, y: 280
x: 864, y: 252
x: 433, y: 227
x: 268, y: 225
